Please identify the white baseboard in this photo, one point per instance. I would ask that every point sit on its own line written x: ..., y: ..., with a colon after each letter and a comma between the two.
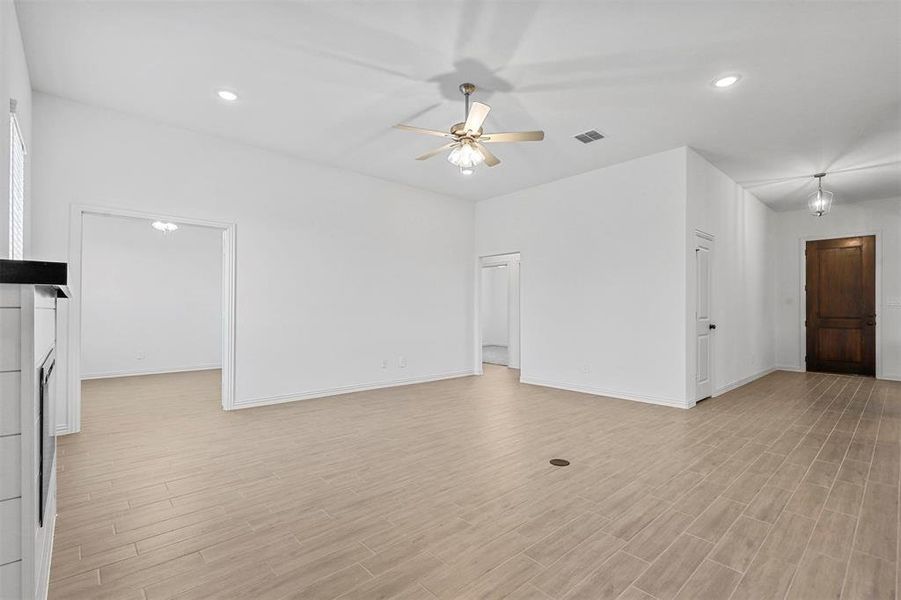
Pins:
x: 791, y: 368
x: 585, y: 389
x: 797, y: 369
x: 62, y: 429
x: 347, y: 389
x: 744, y: 381
x: 132, y: 373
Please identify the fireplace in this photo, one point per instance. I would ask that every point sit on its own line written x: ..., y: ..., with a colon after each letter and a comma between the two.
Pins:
x: 47, y: 447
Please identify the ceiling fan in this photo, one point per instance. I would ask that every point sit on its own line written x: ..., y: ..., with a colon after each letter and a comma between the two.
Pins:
x: 467, y: 150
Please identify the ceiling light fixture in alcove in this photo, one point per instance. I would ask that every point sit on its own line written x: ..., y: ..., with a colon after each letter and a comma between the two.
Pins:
x: 163, y: 226
x: 820, y: 202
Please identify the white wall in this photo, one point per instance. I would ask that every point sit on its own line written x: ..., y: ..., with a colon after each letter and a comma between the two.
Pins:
x: 14, y: 85
x: 742, y: 285
x: 493, y: 312
x: 151, y: 302
x: 336, y: 272
x: 602, y: 277
x: 880, y: 217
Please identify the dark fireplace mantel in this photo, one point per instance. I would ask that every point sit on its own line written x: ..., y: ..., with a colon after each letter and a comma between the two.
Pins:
x: 36, y: 272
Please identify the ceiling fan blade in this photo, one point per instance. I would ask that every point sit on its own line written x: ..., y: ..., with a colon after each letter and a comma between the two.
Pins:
x: 477, y: 114
x: 514, y: 136
x: 490, y: 159
x: 425, y: 131
x: 432, y: 153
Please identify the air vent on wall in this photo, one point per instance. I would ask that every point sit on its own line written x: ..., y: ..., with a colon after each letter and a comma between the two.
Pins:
x: 589, y: 136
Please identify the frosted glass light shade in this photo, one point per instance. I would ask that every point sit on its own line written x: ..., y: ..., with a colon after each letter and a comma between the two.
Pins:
x: 465, y: 156
x: 819, y: 203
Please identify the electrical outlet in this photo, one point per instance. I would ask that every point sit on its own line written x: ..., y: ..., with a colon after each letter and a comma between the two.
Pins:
x: 140, y: 356
x: 402, y: 362
x: 585, y: 369
x: 385, y: 363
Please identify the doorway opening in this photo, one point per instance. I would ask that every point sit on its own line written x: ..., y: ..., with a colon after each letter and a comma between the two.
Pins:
x: 153, y: 295
x: 498, y: 323
x: 840, y: 321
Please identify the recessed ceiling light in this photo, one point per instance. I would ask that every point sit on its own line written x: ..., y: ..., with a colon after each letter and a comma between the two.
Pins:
x: 227, y: 95
x: 727, y: 81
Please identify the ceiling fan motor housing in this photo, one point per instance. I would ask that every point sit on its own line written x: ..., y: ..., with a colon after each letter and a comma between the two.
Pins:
x: 458, y: 129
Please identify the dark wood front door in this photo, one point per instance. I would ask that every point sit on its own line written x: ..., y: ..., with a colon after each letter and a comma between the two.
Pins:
x: 841, y: 305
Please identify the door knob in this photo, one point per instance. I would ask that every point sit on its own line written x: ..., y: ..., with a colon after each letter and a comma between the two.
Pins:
x: 712, y: 326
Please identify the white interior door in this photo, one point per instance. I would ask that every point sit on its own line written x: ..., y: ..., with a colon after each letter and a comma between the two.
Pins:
x: 704, y: 326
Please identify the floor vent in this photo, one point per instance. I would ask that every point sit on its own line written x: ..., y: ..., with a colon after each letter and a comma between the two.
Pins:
x: 589, y: 136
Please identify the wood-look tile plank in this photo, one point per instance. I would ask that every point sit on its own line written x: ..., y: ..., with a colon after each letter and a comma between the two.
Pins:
x: 833, y: 535
x: 557, y: 579
x: 548, y: 550
x: 818, y: 577
x: 502, y: 580
x: 845, y: 498
x: 389, y: 493
x: 788, y: 537
x: 633, y: 520
x: 808, y: 499
x: 671, y: 570
x: 869, y: 577
x: 94, y: 561
x: 877, y: 531
x: 768, y: 504
x: 526, y: 592
x: 711, y: 581
x: 611, y: 580
x: 334, y: 585
x: 398, y: 579
x: 716, y: 520
x: 739, y: 545
x: 768, y: 578
x: 633, y: 593
x: 280, y: 584
x: 821, y: 473
x: 886, y: 462
x: 657, y: 536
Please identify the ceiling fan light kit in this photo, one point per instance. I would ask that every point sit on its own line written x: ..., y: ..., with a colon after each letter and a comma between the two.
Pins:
x: 820, y: 202
x: 465, y: 156
x: 467, y: 149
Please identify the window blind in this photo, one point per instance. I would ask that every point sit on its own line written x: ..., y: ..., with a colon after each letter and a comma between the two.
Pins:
x: 16, y: 189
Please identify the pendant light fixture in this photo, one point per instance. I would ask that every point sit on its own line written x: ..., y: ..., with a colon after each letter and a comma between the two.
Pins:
x: 820, y: 201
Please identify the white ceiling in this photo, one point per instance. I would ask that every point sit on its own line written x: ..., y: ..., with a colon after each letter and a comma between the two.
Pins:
x: 820, y: 88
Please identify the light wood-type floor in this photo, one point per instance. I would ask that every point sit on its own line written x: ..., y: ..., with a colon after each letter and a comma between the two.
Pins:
x: 787, y: 487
